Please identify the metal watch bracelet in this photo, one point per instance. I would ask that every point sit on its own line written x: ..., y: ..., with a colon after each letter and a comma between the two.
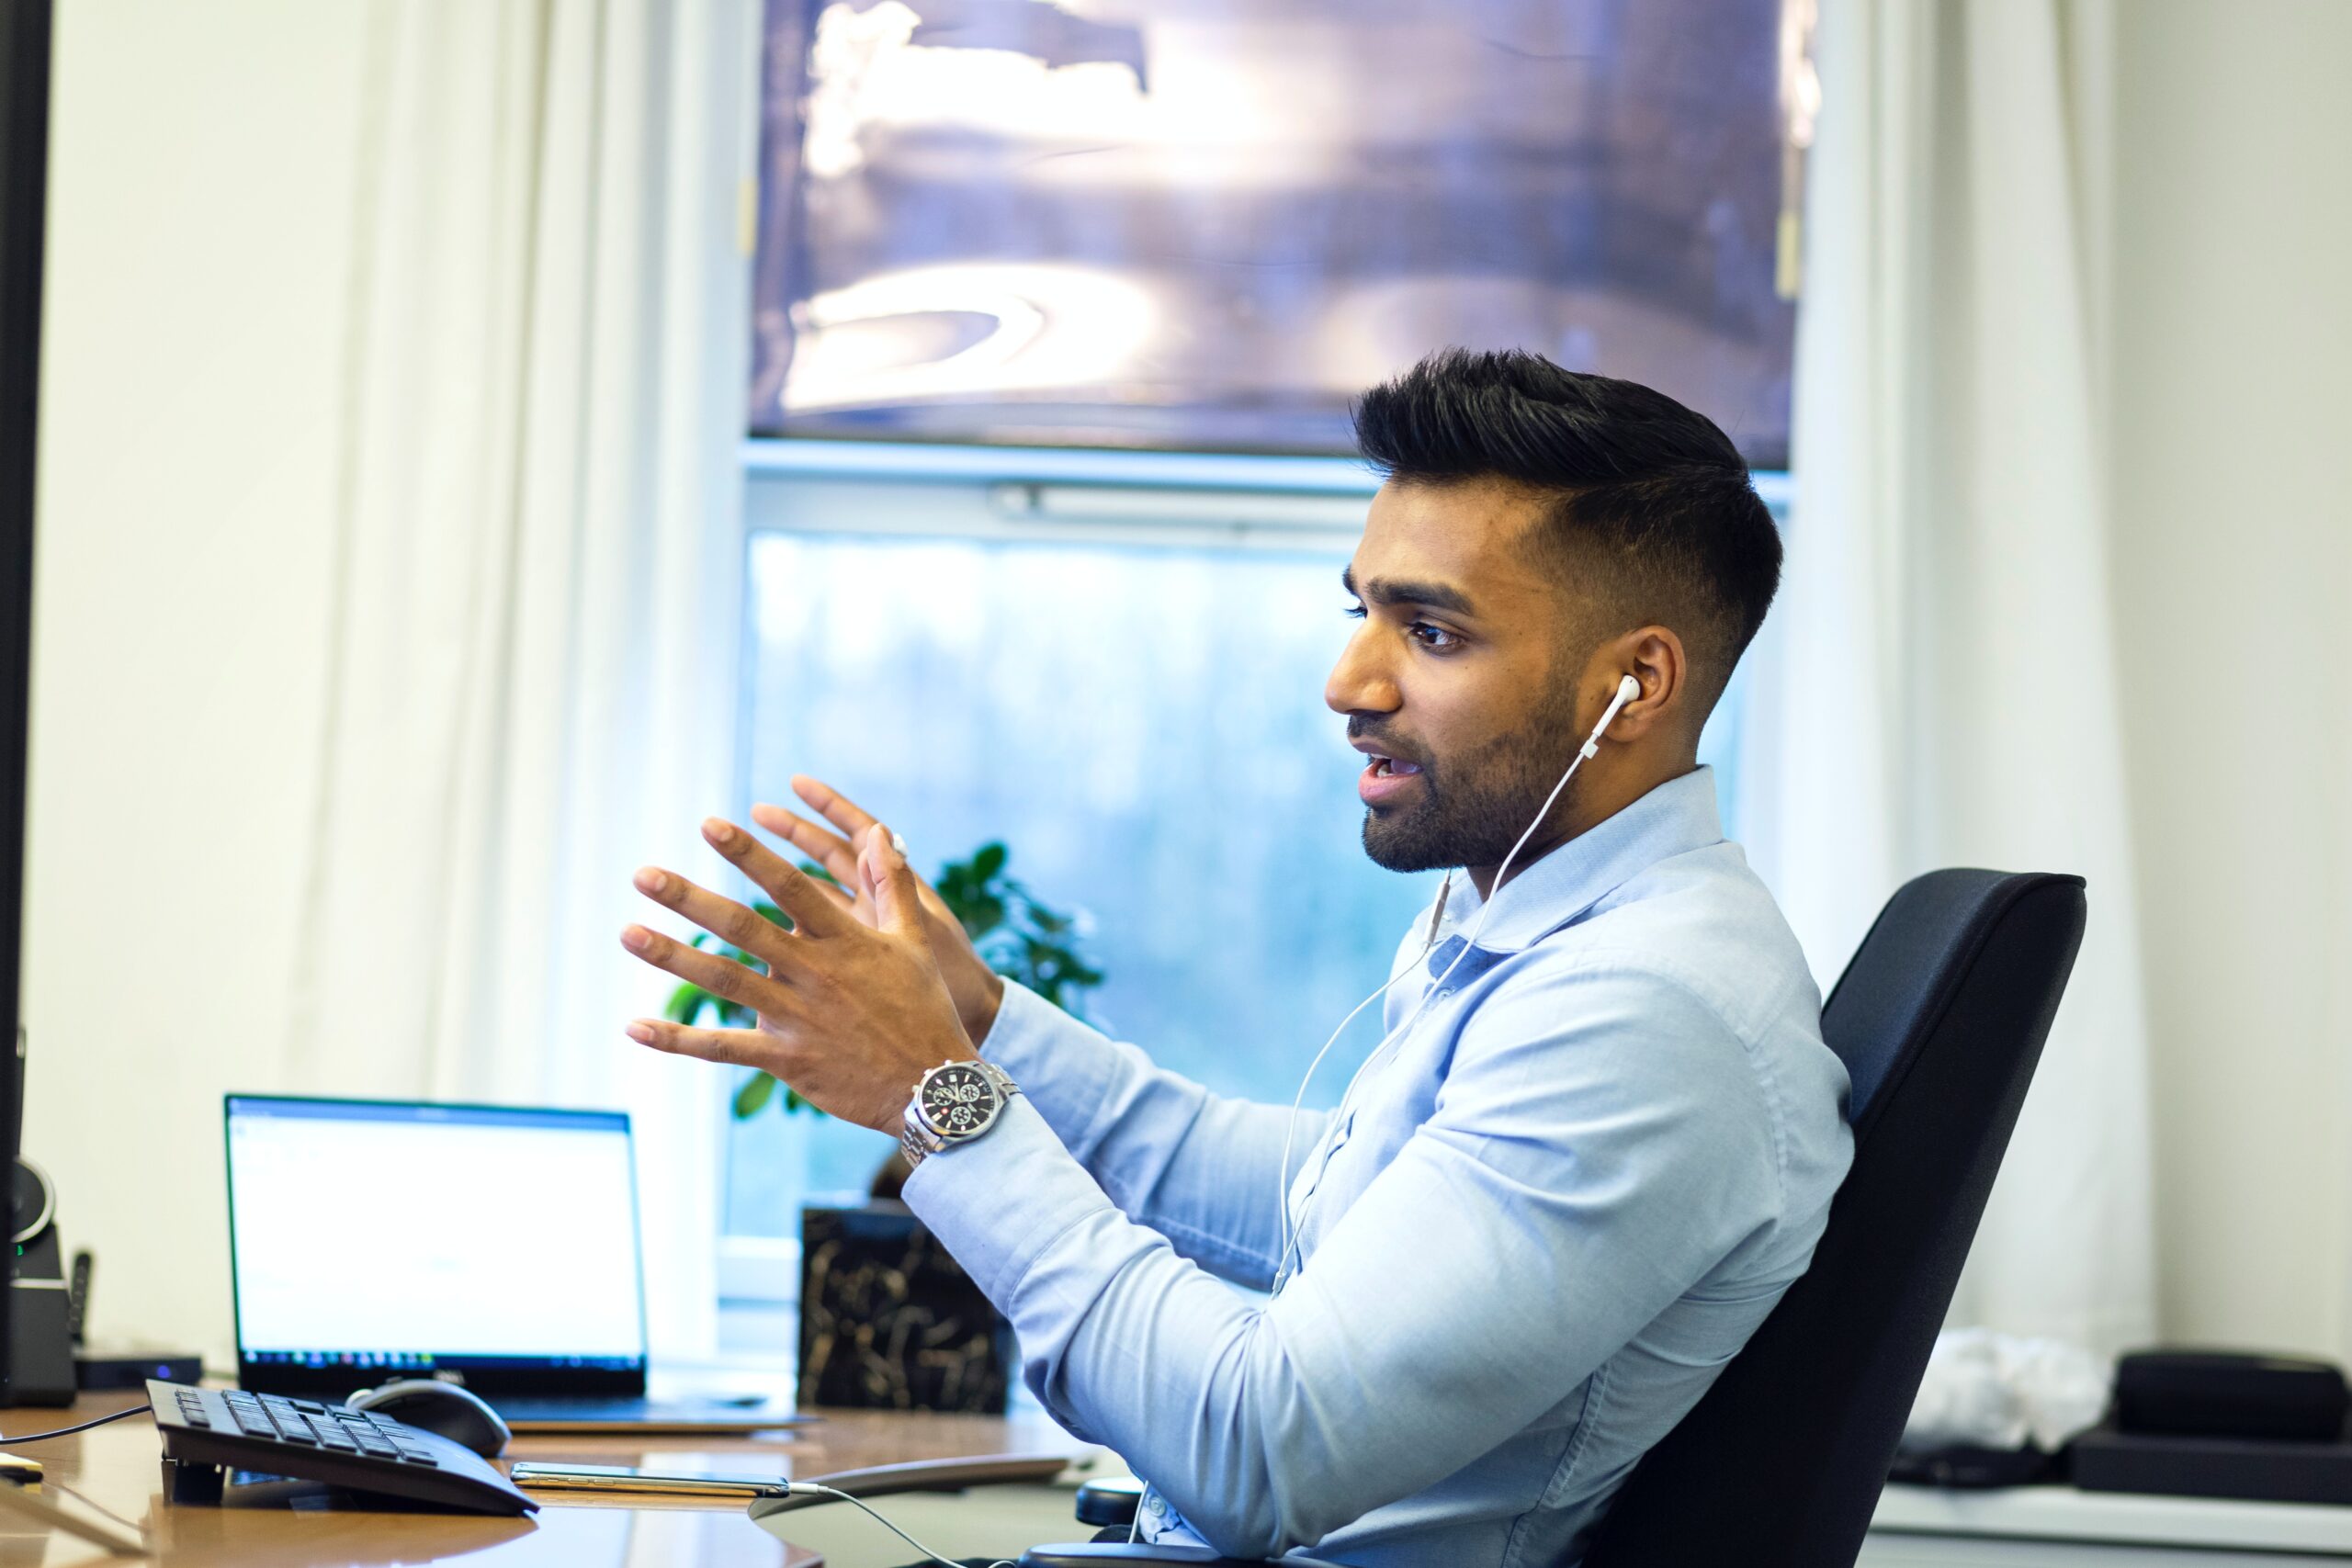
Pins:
x: 918, y: 1141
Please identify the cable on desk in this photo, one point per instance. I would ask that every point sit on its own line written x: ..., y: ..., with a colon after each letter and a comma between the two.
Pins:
x: 877, y: 1519
x: 68, y: 1431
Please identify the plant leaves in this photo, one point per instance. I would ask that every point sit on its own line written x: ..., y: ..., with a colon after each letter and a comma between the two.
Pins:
x: 686, y: 1002
x: 754, y: 1094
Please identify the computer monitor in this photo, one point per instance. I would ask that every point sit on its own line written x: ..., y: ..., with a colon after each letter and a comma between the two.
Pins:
x: 375, y: 1239
x: 24, y: 183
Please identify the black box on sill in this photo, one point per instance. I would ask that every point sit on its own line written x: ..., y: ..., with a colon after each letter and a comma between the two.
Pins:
x: 2255, y: 1469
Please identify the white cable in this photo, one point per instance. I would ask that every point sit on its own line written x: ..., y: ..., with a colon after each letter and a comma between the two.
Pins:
x: 1627, y: 689
x: 877, y: 1519
x: 1290, y: 1132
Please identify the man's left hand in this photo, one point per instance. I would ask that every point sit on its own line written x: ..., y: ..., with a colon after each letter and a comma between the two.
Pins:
x: 850, y: 1016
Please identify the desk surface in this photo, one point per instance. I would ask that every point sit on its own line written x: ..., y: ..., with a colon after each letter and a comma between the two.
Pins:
x: 115, y: 1468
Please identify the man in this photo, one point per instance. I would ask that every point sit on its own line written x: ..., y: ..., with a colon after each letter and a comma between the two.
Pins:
x: 1560, y: 1198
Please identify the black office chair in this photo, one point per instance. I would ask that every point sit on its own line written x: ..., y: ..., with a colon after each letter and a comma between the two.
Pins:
x: 1939, y: 1019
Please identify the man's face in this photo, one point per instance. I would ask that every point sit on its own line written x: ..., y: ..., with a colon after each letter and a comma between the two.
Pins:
x: 1453, y: 686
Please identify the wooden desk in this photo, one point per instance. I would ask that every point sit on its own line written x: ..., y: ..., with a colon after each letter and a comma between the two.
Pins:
x: 116, y: 1468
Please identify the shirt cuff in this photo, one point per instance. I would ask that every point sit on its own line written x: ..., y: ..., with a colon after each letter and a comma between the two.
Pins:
x: 999, y: 1202
x: 1064, y: 1065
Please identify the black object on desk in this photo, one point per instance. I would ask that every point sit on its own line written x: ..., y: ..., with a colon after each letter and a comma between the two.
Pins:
x: 107, y: 1373
x: 2223, y: 1394
x: 889, y: 1321
x: 39, y: 1365
x: 208, y: 1434
x: 2104, y: 1460
x: 104, y: 1370
x: 1963, y: 1467
x: 2222, y: 1423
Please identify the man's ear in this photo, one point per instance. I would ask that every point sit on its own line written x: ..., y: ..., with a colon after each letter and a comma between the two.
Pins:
x: 1653, y: 656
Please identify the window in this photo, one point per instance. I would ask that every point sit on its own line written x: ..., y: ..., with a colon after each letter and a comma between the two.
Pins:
x: 1140, y: 722
x: 1123, y: 685
x: 1042, y: 260
x: 1205, y: 224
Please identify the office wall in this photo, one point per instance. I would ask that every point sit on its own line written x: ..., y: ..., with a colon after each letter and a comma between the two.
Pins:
x: 197, y: 263
x: 2231, y: 397
x: 200, y: 214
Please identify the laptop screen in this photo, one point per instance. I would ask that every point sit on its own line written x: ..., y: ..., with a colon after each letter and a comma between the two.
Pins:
x: 375, y: 1239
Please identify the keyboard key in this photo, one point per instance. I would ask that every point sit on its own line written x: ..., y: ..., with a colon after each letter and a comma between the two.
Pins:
x: 310, y: 1406
x: 415, y: 1455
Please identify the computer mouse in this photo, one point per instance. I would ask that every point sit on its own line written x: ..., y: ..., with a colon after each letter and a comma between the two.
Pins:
x: 442, y: 1408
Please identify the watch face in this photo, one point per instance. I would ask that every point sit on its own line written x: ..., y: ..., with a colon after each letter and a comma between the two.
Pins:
x: 958, y: 1100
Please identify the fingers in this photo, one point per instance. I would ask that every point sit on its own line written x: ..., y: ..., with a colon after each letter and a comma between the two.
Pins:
x: 720, y: 977
x: 736, y: 1047
x: 897, y: 897
x: 796, y: 893
x: 722, y: 918
x: 828, y: 803
x: 835, y: 853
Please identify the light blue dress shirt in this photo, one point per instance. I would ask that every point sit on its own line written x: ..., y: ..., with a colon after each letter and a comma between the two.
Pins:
x: 1560, y: 1202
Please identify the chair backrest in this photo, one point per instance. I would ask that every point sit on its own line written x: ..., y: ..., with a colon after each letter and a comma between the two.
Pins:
x: 1939, y: 1019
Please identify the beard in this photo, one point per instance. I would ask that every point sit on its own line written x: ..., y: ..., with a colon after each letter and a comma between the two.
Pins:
x: 1474, y: 807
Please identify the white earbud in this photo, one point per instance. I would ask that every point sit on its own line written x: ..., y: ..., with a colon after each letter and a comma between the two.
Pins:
x: 1628, y: 689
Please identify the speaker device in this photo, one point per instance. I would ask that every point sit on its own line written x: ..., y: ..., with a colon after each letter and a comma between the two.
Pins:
x: 40, y: 1345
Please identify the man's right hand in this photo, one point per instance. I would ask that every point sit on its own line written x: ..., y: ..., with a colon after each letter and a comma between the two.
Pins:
x: 975, y: 989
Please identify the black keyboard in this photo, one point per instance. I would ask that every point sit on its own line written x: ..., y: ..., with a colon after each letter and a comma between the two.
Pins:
x: 215, y: 1430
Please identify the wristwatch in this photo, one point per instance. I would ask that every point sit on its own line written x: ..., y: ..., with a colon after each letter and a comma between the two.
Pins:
x: 955, y: 1102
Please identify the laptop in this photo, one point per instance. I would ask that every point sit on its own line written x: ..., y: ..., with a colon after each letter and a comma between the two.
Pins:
x: 495, y: 1246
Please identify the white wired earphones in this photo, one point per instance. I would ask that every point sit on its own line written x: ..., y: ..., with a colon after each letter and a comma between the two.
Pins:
x: 1628, y: 688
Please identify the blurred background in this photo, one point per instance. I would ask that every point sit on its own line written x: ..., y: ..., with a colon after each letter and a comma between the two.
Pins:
x: 481, y: 439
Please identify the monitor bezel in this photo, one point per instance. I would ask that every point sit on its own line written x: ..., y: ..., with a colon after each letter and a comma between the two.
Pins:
x: 24, y: 56
x: 492, y: 1378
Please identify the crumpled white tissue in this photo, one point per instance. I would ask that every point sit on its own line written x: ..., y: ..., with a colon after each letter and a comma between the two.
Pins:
x: 1995, y: 1390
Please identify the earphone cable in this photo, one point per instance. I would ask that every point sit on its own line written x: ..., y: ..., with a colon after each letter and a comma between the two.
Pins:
x: 1290, y: 1233
x: 860, y: 1505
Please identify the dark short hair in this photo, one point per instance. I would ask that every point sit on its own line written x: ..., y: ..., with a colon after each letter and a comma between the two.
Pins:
x: 1651, y: 493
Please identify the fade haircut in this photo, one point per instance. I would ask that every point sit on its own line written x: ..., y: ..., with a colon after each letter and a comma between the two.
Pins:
x: 1651, y: 514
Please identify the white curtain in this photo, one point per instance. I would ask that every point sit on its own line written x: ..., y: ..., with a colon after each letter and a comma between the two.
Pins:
x: 537, y: 570
x: 1947, y: 689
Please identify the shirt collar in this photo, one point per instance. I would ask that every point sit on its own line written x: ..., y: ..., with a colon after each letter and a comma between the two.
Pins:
x: 1677, y: 816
